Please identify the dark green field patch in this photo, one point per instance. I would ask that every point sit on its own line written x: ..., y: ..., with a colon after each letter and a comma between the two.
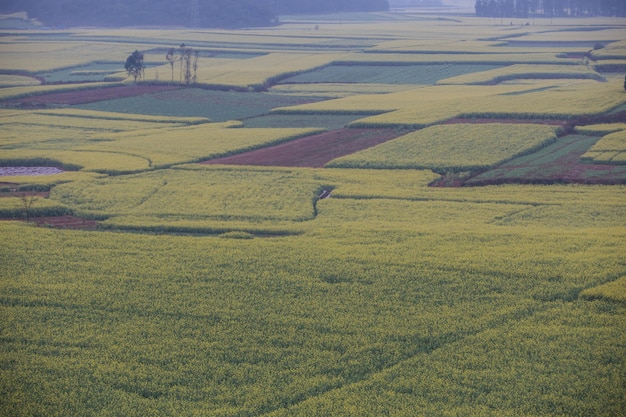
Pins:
x: 327, y: 121
x: 556, y: 163
x: 92, y: 72
x: 387, y: 74
x: 195, y: 102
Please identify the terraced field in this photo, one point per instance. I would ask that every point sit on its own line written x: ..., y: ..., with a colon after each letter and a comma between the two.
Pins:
x: 354, y: 215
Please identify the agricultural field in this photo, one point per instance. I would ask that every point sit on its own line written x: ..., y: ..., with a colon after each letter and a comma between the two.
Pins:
x: 610, y: 148
x: 451, y: 147
x: 405, y: 214
x: 397, y: 74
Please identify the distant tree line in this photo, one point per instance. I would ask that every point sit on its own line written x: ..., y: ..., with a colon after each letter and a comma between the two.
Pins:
x: 328, y: 6
x: 201, y: 13
x: 526, y: 8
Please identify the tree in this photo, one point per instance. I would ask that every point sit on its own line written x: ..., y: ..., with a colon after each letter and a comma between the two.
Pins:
x: 171, y: 58
x: 188, y: 64
x: 28, y: 201
x: 134, y: 65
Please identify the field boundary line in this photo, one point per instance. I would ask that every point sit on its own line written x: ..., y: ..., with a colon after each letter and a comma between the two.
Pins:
x: 502, y: 321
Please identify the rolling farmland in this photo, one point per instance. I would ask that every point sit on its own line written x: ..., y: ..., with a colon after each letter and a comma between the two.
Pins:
x: 401, y: 214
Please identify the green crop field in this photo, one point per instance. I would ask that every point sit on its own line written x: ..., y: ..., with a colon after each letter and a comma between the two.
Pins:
x: 215, y: 105
x: 390, y: 282
x: 381, y: 74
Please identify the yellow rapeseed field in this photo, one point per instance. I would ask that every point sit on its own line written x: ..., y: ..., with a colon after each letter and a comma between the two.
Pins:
x: 216, y: 290
x: 519, y: 71
x: 610, y: 148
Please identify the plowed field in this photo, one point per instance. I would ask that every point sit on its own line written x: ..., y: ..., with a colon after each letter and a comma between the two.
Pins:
x: 312, y: 151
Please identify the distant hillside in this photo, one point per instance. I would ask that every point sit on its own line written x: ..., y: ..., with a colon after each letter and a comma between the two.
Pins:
x: 200, y: 13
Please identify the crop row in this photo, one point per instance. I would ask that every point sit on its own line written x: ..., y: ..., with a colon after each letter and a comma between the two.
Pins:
x: 609, y: 149
x: 102, y: 115
x: 74, y: 121
x: 392, y: 58
x: 513, y: 72
x: 467, y: 47
x: 18, y: 92
x: 600, y: 129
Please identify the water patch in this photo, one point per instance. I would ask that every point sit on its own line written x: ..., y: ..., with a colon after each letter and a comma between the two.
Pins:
x: 28, y: 171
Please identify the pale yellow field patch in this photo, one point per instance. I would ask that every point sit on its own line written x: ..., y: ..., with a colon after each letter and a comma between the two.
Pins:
x: 8, y: 80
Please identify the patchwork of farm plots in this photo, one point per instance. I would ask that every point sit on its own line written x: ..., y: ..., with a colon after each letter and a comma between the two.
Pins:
x: 324, y: 258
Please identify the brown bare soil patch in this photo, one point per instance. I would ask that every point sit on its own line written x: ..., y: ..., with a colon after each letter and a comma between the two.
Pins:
x: 312, y: 151
x: 87, y: 96
x: 59, y: 222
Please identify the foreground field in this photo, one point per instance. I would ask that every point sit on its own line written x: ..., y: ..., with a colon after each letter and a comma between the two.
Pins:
x: 307, y: 266
x: 357, y: 317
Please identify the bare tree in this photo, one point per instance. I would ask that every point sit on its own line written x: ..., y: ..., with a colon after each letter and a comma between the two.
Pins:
x: 196, y: 54
x: 181, y: 57
x: 171, y: 58
x: 188, y: 64
x: 28, y: 202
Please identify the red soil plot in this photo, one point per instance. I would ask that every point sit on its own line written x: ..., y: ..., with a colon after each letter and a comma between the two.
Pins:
x: 312, y: 151
x: 88, y: 96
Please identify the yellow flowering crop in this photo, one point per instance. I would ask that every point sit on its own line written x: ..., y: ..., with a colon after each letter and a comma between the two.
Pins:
x: 457, y: 147
x: 609, y: 149
x: 524, y: 71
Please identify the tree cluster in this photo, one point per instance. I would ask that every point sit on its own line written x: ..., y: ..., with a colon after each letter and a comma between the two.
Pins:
x: 327, y: 6
x: 526, y: 8
x: 188, y: 59
x: 201, y: 13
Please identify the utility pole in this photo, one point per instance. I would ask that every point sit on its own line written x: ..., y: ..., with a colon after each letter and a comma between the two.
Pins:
x: 195, y: 13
